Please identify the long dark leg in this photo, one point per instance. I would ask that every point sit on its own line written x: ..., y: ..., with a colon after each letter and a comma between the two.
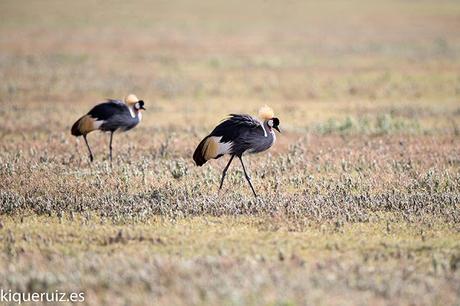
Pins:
x: 110, y: 147
x: 225, y: 172
x: 247, y: 176
x: 89, y: 149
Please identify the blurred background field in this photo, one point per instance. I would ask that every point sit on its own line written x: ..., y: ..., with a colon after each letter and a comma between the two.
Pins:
x: 360, y: 194
x: 197, y: 61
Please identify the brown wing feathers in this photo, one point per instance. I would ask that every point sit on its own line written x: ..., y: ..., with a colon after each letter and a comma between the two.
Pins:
x: 84, y: 125
x: 206, y: 150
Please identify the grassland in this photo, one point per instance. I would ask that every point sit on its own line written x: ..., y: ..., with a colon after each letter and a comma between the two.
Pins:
x: 360, y: 196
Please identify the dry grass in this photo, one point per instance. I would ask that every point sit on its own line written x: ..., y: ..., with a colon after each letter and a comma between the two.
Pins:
x: 234, y: 260
x: 360, y: 200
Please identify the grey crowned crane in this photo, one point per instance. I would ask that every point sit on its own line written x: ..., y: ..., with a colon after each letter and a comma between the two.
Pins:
x: 110, y: 116
x: 238, y: 135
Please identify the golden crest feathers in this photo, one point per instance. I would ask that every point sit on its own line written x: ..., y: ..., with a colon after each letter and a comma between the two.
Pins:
x: 131, y: 99
x: 266, y: 113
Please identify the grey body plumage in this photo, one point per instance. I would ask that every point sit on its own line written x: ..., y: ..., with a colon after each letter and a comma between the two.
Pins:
x: 236, y: 136
x: 116, y: 116
x: 253, y: 140
x: 110, y: 116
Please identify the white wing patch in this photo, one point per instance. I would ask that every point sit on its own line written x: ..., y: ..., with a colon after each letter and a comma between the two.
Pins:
x: 224, y: 147
x: 97, y: 124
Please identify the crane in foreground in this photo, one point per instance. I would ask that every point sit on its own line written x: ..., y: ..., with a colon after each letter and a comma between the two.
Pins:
x: 238, y: 135
x: 109, y: 116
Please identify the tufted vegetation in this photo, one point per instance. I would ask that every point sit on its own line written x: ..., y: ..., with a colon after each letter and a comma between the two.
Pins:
x: 359, y: 197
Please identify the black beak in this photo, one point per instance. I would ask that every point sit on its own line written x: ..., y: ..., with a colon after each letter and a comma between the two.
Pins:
x: 277, y: 128
x: 142, y: 107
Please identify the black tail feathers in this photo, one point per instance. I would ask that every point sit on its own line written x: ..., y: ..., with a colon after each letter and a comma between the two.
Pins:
x: 76, y: 128
x: 198, y: 156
